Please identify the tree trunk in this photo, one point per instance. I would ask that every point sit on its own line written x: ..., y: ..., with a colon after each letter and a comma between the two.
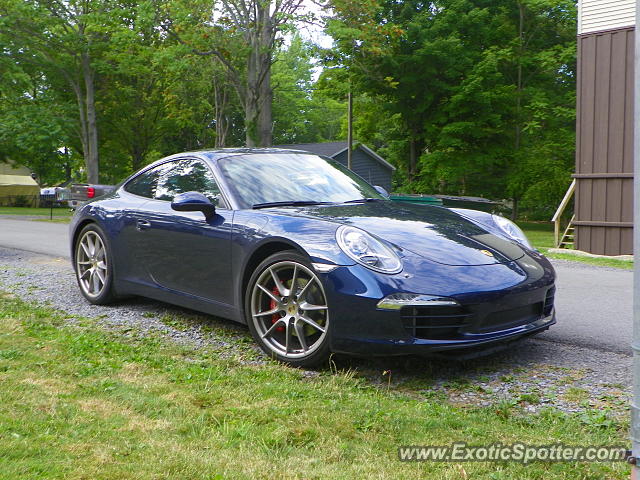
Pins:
x: 258, y: 121
x: 413, y: 158
x: 519, y: 84
x: 137, y: 157
x: 265, y: 94
x: 514, y: 211
x: 251, y: 106
x: 82, y: 113
x: 221, y: 102
x: 91, y: 156
x: 257, y: 108
x: 251, y: 120
x: 265, y: 124
x: 519, y: 90
x: 67, y: 165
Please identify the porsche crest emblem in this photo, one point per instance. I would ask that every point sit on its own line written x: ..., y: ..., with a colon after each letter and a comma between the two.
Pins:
x: 487, y: 253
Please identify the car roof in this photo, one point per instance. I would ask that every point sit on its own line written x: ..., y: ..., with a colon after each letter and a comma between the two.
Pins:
x: 217, y: 154
x: 213, y: 155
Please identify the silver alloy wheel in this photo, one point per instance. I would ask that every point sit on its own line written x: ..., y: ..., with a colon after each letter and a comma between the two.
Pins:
x: 289, y: 309
x: 91, y: 264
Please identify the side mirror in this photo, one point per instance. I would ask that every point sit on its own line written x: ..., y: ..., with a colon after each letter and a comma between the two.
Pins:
x: 193, y: 202
x: 382, y: 191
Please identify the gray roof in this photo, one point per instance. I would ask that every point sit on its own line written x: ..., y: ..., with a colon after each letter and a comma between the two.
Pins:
x: 331, y: 149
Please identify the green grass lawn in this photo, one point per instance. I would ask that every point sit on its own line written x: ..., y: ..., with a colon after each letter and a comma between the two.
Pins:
x: 540, y: 234
x: 602, y: 262
x: 55, y: 219
x: 57, y: 212
x: 78, y: 402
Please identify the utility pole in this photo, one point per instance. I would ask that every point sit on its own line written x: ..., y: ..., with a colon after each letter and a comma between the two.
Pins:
x: 635, y: 406
x: 349, y: 129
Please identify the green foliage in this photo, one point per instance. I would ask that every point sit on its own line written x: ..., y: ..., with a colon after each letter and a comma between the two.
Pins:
x: 481, y: 92
x: 31, y: 131
x: 471, y: 97
x: 303, y: 112
x: 36, y: 118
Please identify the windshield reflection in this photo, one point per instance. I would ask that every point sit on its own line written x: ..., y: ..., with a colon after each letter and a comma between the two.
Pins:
x: 292, y: 177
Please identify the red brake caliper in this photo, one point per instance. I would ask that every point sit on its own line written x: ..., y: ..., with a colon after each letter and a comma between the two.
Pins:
x: 276, y: 316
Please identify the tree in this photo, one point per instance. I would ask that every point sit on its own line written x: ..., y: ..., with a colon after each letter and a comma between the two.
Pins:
x: 64, y: 38
x: 543, y: 57
x: 158, y: 97
x: 243, y: 36
x: 303, y: 111
x: 132, y: 103
x: 35, y: 121
x: 479, y: 88
x: 200, y: 103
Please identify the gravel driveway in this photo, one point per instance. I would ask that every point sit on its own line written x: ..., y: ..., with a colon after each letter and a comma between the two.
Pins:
x: 536, y: 372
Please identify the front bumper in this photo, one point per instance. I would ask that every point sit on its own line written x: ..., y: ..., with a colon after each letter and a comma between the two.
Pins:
x: 497, y: 304
x: 417, y: 346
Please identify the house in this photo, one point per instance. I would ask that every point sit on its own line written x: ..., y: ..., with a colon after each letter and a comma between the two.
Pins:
x: 604, y: 127
x: 364, y: 161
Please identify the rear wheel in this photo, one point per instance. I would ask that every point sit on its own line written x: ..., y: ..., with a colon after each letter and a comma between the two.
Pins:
x: 287, y: 310
x: 94, y: 271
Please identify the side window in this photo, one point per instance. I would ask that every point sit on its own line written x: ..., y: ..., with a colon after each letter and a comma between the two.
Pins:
x: 187, y: 176
x: 146, y: 183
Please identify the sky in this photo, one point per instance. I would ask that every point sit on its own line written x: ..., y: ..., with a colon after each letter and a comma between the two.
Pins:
x: 314, y: 33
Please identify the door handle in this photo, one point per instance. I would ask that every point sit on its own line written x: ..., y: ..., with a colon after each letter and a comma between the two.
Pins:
x: 142, y: 224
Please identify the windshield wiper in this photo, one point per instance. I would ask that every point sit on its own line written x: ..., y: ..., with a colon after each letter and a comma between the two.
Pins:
x: 290, y: 203
x: 362, y: 200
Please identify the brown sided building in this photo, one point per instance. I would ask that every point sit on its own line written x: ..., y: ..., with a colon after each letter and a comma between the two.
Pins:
x: 604, y: 146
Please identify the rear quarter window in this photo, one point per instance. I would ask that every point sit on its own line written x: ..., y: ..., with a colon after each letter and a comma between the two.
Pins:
x: 145, y: 184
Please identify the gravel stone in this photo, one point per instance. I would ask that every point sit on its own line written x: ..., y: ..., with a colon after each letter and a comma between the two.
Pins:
x: 534, y: 373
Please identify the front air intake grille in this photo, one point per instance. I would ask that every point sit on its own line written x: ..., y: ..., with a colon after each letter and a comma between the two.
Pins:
x: 510, y: 318
x: 434, y: 322
x: 548, y: 301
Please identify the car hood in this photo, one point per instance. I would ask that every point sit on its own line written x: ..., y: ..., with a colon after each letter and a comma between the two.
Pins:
x: 435, y: 233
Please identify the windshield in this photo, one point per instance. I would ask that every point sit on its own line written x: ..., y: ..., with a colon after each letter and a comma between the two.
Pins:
x: 292, y: 177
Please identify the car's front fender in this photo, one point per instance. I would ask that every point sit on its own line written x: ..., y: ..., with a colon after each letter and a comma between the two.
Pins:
x: 313, y: 237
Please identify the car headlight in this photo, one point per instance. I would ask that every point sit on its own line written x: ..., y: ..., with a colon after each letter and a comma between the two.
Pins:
x: 367, y: 250
x: 511, y: 230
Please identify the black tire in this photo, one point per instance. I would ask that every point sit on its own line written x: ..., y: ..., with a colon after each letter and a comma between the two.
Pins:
x: 291, y: 325
x: 87, y: 264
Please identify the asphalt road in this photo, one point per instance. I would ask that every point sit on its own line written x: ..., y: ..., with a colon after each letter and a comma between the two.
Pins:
x: 594, y: 307
x: 594, y: 304
x: 33, y: 236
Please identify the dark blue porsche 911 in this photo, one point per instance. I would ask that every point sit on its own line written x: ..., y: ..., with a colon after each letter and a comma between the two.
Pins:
x: 309, y: 255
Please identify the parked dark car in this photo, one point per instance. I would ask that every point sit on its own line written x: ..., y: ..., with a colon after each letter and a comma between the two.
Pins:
x: 80, y: 193
x: 310, y: 256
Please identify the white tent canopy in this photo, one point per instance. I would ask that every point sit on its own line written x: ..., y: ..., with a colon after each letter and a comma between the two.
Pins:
x: 17, y: 187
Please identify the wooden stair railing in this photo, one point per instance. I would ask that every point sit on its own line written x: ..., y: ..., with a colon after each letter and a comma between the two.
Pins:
x: 567, y: 237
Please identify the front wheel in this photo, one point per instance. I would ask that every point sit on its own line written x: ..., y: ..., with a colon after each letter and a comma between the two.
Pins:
x: 287, y: 310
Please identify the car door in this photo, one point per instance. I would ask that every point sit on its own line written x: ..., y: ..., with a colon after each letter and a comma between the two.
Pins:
x: 183, y: 251
x: 135, y: 195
